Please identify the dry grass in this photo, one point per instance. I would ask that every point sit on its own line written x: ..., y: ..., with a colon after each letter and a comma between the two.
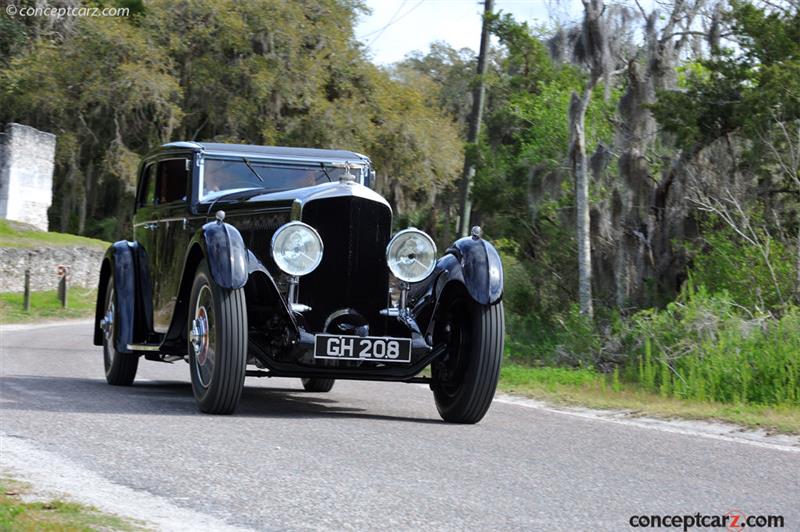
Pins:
x: 590, y: 389
x: 17, y: 512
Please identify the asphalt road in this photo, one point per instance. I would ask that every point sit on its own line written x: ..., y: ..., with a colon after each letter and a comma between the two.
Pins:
x: 366, y: 455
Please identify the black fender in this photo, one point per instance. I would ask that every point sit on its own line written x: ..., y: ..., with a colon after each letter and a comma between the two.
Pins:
x: 475, y: 263
x: 119, y: 261
x: 224, y: 249
x: 470, y: 265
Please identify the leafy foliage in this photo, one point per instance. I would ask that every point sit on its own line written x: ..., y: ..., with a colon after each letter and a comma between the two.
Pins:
x: 263, y: 72
x: 724, y: 264
x: 740, y: 90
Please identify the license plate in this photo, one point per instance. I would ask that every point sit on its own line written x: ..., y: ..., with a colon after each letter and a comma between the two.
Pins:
x: 340, y: 347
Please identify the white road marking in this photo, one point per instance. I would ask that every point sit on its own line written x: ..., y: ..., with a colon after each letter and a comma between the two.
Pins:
x: 11, y: 327
x: 53, y: 475
x: 703, y: 429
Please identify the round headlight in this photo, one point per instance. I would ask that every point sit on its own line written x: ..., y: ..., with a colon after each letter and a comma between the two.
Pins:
x: 296, y: 248
x: 411, y: 255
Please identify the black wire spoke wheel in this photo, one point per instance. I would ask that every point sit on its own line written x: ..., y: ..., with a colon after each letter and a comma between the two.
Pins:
x: 217, y: 336
x: 120, y: 368
x: 464, y: 382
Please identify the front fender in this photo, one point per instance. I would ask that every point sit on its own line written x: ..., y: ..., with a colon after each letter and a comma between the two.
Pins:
x: 470, y: 264
x: 476, y: 264
x: 120, y: 261
x: 225, y: 252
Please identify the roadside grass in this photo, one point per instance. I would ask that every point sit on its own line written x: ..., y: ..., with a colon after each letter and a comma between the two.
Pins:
x: 46, y: 306
x: 588, y: 388
x: 21, y: 235
x: 18, y: 513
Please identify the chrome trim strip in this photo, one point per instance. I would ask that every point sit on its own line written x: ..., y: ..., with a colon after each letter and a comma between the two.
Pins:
x: 279, y: 158
x: 178, y: 219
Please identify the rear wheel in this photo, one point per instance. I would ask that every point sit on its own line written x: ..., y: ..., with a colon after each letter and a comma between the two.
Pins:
x: 217, y: 327
x: 464, y: 382
x: 120, y: 367
x: 318, y: 385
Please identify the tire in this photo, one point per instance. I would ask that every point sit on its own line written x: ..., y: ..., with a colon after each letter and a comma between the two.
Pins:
x: 465, y: 381
x: 318, y: 385
x: 120, y: 367
x: 218, y: 357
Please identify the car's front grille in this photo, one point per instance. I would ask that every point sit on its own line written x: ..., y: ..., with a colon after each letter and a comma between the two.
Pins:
x: 353, y: 271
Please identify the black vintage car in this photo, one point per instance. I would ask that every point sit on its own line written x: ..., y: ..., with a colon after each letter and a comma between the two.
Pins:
x: 280, y: 262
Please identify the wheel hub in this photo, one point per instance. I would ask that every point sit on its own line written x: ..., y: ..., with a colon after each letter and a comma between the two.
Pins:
x: 107, y: 323
x: 199, y: 335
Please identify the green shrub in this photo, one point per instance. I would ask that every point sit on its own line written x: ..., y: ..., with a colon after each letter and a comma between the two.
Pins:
x: 567, y: 339
x: 707, y: 347
x: 519, y: 292
x: 726, y: 262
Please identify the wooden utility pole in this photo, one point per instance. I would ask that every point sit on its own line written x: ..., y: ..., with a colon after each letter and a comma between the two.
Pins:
x: 478, y: 96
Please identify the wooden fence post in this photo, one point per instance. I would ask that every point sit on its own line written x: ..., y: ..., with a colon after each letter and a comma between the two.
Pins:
x: 62, y: 286
x: 26, y: 297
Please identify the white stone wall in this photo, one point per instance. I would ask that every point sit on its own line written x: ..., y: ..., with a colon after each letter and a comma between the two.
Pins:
x: 43, y: 263
x: 26, y: 174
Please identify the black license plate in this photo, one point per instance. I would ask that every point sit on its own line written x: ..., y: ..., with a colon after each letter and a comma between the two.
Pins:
x: 378, y: 349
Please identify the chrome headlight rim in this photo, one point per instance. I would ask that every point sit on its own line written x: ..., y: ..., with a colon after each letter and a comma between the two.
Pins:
x: 425, y: 236
x: 313, y: 231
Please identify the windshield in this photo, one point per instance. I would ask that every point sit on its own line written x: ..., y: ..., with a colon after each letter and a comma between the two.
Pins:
x: 223, y: 176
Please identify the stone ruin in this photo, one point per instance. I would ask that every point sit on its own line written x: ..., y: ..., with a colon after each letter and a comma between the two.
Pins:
x: 26, y: 174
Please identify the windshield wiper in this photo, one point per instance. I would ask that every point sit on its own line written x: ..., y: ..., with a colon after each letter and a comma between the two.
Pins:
x: 235, y: 195
x: 324, y: 171
x: 250, y: 166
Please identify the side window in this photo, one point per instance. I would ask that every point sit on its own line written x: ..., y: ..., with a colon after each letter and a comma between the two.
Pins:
x: 172, y: 176
x: 147, y: 187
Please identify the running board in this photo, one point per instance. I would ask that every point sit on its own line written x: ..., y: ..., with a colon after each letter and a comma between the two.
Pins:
x: 144, y: 347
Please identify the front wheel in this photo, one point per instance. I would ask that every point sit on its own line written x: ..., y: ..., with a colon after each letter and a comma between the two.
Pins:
x: 217, y: 331
x: 464, y: 381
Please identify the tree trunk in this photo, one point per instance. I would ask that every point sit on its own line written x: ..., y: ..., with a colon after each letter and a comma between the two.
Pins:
x: 83, y: 193
x: 577, y: 119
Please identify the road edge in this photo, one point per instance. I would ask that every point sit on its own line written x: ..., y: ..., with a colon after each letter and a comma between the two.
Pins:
x: 13, y: 327
x: 52, y: 474
x: 705, y: 429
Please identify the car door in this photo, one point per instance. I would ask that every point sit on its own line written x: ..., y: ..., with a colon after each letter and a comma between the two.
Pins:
x: 173, y: 234
x: 145, y: 222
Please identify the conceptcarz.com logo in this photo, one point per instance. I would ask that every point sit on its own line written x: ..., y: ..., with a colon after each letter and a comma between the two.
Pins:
x: 733, y: 520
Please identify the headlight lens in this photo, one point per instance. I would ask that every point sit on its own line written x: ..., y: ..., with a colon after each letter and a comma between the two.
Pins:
x: 296, y: 248
x: 411, y: 255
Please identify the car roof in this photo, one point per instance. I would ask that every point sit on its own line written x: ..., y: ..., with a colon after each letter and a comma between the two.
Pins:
x: 215, y: 148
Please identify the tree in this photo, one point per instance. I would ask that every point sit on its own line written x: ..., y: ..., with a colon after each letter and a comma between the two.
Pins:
x: 592, y: 50
x: 260, y: 72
